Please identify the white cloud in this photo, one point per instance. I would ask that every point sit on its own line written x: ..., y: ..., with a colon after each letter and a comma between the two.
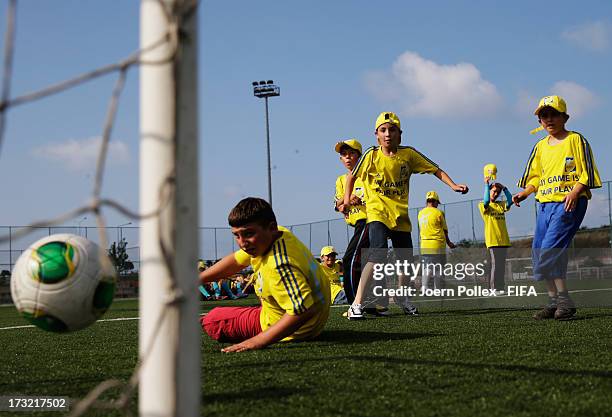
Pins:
x: 578, y: 98
x: 420, y: 87
x: 82, y: 155
x: 594, y: 36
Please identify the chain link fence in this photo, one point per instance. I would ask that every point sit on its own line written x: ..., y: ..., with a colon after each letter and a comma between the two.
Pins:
x: 463, y: 219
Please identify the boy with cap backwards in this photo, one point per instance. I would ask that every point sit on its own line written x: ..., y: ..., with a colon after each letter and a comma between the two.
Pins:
x: 289, y: 282
x: 385, y: 171
x: 562, y: 171
x: 493, y: 214
x: 328, y: 263
x: 434, y: 238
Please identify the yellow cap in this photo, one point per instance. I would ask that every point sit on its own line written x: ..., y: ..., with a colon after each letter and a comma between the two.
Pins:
x: 490, y: 170
x: 555, y: 102
x: 326, y: 250
x: 432, y: 195
x: 351, y: 143
x: 387, y: 117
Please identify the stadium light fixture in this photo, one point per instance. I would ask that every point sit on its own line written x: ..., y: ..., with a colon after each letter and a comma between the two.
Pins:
x: 265, y: 90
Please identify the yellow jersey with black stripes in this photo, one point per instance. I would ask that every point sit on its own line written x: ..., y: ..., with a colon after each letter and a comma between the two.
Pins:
x: 357, y: 212
x: 554, y: 170
x: 432, y: 225
x: 386, y: 181
x: 288, y: 280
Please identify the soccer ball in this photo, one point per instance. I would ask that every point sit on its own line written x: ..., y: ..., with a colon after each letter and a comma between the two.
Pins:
x: 63, y: 283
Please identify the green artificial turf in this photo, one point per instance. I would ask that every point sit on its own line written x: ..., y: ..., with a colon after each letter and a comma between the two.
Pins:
x: 449, y: 361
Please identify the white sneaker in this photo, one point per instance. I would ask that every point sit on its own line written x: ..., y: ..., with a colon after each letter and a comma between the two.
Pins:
x: 355, y: 312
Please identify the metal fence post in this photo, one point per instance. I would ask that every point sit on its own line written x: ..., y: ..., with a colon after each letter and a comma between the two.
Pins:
x: 216, y: 256
x: 11, y: 247
x: 310, y: 236
x: 609, y: 213
x: 472, y: 215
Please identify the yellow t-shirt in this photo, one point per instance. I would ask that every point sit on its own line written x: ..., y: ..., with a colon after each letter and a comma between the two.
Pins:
x: 554, y: 170
x: 355, y: 213
x: 289, y: 281
x: 432, y: 225
x: 333, y: 276
x: 386, y: 181
x: 494, y: 217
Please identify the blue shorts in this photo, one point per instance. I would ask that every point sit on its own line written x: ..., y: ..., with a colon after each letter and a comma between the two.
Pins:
x: 555, y: 229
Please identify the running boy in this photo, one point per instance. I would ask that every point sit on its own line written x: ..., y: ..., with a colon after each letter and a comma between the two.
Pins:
x: 433, y: 232
x: 562, y: 171
x: 385, y: 171
x: 294, y: 294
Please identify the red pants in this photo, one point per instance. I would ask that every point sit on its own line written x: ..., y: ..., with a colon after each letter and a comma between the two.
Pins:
x: 232, y: 324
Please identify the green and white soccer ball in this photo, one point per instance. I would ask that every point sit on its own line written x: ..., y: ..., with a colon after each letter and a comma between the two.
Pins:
x: 63, y: 283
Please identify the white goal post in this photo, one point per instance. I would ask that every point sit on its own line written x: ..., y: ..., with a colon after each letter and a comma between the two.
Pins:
x: 169, y: 340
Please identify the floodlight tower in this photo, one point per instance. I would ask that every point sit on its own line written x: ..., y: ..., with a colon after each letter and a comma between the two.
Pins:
x: 265, y: 89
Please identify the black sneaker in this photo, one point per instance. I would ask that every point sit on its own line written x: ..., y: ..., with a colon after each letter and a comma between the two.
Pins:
x: 410, y: 310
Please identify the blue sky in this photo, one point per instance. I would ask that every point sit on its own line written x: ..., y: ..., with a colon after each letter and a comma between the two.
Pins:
x: 463, y: 76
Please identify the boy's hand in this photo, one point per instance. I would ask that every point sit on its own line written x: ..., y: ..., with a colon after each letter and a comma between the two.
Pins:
x: 518, y: 197
x: 487, y: 179
x: 355, y: 201
x: 571, y: 200
x: 242, y: 346
x: 451, y: 245
x: 460, y: 188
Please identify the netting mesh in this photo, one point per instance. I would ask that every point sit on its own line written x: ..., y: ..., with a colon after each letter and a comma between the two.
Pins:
x: 96, y: 201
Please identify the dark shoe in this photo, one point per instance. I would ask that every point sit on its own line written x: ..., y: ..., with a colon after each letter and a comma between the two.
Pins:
x: 548, y: 312
x: 565, y: 312
x: 410, y: 310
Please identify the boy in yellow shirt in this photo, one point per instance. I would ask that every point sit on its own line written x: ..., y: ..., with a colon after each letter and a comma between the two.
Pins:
x: 493, y: 214
x: 354, y: 215
x: 433, y: 232
x: 292, y: 288
x: 561, y: 171
x: 385, y: 171
x: 328, y: 262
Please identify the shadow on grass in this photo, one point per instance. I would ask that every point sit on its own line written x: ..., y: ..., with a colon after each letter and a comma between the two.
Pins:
x: 370, y: 360
x: 267, y: 393
x: 359, y: 336
x: 476, y: 311
x: 486, y: 366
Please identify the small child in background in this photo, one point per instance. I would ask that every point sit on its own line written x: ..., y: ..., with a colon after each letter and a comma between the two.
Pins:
x: 493, y: 214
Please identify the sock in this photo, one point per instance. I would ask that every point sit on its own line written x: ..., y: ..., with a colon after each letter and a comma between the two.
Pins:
x: 552, y: 301
x: 565, y: 298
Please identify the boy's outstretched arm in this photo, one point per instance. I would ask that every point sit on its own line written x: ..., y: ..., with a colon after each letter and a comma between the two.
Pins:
x: 520, y: 196
x: 444, y: 177
x: 222, y: 269
x: 286, y: 326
